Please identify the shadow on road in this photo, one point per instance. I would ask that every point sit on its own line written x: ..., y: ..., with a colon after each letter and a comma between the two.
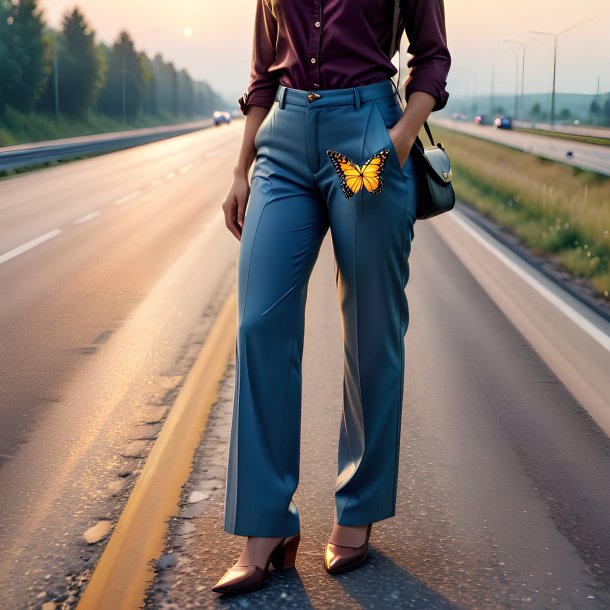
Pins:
x: 381, y: 583
x: 377, y: 583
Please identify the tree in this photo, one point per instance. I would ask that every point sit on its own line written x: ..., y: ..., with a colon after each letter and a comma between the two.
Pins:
x: 207, y: 99
x: 81, y: 67
x: 163, y: 84
x: 10, y: 69
x: 123, y: 92
x: 536, y: 110
x: 594, y: 110
x: 186, y: 93
x: 67, y: 71
x: 606, y: 111
x: 151, y: 101
x: 25, y: 54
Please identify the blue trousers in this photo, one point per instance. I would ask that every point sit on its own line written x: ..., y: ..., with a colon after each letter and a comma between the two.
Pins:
x: 311, y: 174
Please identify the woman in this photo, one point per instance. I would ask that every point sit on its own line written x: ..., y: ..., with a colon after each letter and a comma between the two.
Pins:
x: 331, y: 144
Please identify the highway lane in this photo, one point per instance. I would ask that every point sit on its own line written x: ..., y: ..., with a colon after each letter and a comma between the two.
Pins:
x: 109, y: 224
x: 504, y: 474
x: 99, y: 325
x: 503, y: 487
x: 579, y: 130
x: 587, y: 156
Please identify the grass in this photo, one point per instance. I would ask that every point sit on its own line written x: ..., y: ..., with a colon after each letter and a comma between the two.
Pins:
x: 566, y: 136
x: 556, y: 210
x: 21, y: 128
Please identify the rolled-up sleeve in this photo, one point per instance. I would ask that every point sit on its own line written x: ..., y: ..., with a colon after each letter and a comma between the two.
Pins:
x: 431, y: 60
x: 262, y: 87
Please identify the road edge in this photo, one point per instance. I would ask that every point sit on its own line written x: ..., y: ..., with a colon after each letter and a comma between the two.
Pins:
x: 576, y: 286
x: 125, y: 569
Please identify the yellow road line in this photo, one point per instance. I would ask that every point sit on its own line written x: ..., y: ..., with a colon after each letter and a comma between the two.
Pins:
x: 125, y: 569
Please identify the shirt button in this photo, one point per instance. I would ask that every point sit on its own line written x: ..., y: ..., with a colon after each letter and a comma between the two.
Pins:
x: 317, y: 24
x: 313, y: 60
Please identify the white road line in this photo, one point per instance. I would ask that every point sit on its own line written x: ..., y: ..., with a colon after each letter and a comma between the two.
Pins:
x: 7, y: 256
x: 128, y: 198
x: 87, y: 217
x: 170, y: 176
x: 186, y: 168
x: 156, y: 183
x: 576, y: 317
x: 213, y: 153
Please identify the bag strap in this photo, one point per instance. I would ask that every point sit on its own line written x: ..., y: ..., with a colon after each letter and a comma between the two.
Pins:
x: 393, y: 50
x: 395, y: 27
x: 427, y: 128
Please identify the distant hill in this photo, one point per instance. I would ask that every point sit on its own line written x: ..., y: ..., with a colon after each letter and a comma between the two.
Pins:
x: 587, y: 108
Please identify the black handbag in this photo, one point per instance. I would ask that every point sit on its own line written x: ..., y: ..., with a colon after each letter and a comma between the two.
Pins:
x: 433, y: 168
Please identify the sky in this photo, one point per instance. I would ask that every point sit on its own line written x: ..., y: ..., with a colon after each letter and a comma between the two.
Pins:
x: 219, y: 49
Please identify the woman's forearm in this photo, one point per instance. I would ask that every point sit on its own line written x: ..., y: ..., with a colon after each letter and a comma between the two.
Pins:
x: 247, y: 153
x: 404, y: 132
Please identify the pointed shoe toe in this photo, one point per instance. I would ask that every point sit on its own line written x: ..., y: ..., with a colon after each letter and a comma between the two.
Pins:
x: 339, y: 558
x: 240, y: 579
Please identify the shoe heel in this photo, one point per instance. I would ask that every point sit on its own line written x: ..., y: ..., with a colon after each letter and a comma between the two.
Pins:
x: 285, y: 557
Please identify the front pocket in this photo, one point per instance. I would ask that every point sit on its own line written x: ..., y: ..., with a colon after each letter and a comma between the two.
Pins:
x: 263, y: 127
x: 387, y: 116
x: 259, y: 131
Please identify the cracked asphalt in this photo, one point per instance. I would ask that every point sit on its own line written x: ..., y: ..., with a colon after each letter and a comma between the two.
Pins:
x: 490, y: 512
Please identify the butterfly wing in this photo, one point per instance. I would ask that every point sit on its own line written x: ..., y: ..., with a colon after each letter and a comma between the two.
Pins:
x: 371, y: 171
x: 350, y: 174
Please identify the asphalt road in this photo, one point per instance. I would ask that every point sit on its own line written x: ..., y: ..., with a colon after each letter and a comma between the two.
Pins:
x: 503, y: 488
x: 112, y: 270
x: 586, y: 156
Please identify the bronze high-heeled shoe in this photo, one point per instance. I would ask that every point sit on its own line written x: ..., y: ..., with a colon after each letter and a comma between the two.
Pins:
x: 239, y: 579
x: 339, y: 558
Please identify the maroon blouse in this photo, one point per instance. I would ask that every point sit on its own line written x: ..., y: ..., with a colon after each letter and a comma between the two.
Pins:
x: 345, y: 43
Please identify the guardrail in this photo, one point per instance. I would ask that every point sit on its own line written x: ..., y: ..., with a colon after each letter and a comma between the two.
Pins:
x: 569, y: 128
x: 26, y: 155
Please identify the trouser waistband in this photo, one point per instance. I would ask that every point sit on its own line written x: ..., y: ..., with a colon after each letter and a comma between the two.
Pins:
x: 347, y: 96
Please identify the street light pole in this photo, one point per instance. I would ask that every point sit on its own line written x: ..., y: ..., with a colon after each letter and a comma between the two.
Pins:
x: 554, y: 80
x: 555, y: 38
x: 476, y: 76
x: 523, y: 45
x: 516, y: 78
x: 491, y: 94
x: 56, y: 75
x: 123, y: 80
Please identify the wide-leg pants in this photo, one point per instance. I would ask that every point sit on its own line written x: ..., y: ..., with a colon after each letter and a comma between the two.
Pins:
x: 297, y: 193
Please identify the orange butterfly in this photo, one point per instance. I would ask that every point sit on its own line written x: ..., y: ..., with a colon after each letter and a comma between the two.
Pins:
x: 353, y: 177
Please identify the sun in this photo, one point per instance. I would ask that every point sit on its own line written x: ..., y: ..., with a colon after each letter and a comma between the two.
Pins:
x: 187, y: 31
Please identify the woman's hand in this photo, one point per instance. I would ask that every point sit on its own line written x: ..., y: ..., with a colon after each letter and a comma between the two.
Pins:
x: 404, y: 132
x: 234, y: 205
x: 402, y: 144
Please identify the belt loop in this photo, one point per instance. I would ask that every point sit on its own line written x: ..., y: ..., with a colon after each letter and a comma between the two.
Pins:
x: 357, y: 98
x: 283, y: 91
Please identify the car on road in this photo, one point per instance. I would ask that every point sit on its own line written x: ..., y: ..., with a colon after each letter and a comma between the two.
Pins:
x: 221, y: 116
x: 503, y: 122
x: 482, y: 119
